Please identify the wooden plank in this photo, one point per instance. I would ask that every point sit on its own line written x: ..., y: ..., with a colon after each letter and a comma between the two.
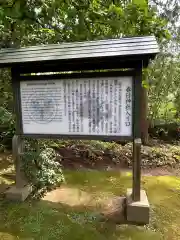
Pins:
x: 137, y: 101
x: 145, y: 40
x: 80, y: 55
x: 64, y: 54
x: 114, y: 47
x: 82, y: 64
x: 84, y: 51
x: 63, y: 76
x: 80, y: 137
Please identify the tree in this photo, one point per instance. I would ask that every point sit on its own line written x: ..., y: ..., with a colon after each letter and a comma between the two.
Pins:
x: 169, y: 11
x: 29, y: 22
x: 164, y: 84
x: 25, y: 22
x: 164, y: 74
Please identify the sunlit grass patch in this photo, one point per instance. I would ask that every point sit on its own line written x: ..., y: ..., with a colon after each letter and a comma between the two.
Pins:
x: 73, y: 212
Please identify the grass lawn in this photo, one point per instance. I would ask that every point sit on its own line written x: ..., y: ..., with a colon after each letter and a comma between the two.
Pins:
x: 71, y: 212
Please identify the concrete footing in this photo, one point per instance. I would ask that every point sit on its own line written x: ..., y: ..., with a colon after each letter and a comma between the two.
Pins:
x: 137, y: 212
x: 18, y: 194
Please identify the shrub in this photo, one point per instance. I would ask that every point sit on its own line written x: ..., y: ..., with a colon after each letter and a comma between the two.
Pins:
x: 6, y: 128
x: 42, y: 170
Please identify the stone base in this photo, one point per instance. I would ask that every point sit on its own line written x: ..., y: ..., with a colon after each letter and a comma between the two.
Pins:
x: 18, y: 194
x: 137, y: 212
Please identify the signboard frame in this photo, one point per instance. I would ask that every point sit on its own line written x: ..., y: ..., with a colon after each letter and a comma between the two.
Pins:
x: 136, y: 88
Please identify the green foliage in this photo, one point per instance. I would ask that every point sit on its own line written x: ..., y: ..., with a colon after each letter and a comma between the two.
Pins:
x: 93, y: 153
x: 42, y: 170
x: 6, y: 128
x: 163, y: 80
x: 31, y: 22
x: 6, y: 106
x: 6, y: 116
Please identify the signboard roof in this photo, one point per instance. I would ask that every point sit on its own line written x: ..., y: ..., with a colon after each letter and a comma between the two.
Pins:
x: 143, y: 47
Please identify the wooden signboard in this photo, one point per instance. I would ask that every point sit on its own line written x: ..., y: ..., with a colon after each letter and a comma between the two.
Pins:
x: 83, y: 90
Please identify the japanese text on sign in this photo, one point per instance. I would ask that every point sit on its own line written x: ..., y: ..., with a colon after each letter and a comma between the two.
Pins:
x: 87, y: 106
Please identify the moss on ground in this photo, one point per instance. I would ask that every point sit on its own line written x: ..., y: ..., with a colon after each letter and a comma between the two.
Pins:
x: 56, y: 220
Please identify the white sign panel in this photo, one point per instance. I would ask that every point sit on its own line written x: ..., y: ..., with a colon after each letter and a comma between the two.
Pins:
x: 87, y: 106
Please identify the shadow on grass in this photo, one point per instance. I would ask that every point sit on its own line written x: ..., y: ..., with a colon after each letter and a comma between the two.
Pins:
x: 7, y: 174
x: 5, y: 161
x: 47, y: 220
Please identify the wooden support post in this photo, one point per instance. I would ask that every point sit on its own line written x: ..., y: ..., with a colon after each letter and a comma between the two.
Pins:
x: 136, y: 170
x: 18, y: 149
x: 137, y: 134
x: 21, y: 189
x: 137, y: 203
